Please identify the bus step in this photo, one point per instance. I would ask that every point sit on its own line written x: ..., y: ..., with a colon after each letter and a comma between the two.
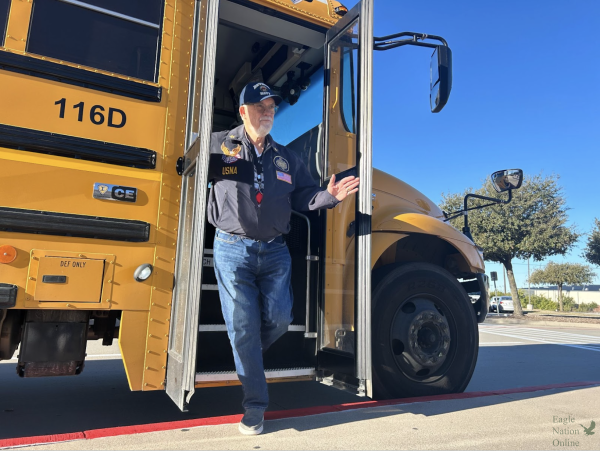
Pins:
x: 223, y: 328
x: 269, y: 374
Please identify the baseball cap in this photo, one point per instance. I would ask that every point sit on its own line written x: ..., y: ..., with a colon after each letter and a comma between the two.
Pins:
x: 255, y: 92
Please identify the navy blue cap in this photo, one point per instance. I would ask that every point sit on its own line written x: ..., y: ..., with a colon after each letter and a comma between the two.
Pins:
x: 256, y: 92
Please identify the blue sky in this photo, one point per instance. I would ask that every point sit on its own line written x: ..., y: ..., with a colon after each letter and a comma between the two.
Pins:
x: 525, y: 94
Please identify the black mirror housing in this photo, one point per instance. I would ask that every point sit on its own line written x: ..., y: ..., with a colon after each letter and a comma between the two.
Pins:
x: 507, y: 179
x: 441, y: 78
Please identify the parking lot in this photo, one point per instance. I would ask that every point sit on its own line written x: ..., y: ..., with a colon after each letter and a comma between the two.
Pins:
x: 511, y: 357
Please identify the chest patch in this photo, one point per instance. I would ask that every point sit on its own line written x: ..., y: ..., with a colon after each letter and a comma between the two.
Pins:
x: 281, y: 163
x: 284, y: 177
x: 230, y: 152
x: 230, y: 160
x: 230, y: 170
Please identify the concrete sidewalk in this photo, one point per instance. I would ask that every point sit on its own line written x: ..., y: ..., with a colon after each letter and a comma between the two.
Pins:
x: 513, y: 419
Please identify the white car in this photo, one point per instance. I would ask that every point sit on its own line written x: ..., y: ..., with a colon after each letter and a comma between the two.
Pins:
x: 506, y: 304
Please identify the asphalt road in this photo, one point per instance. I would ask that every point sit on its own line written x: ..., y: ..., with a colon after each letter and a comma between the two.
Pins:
x: 510, y: 356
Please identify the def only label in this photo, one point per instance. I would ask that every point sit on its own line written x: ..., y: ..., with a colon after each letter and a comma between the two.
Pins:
x: 115, y: 192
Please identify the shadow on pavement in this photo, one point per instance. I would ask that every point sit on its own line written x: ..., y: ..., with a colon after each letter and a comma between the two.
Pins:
x: 424, y: 409
x: 100, y: 397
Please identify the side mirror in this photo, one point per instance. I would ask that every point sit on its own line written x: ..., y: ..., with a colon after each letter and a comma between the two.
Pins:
x: 441, y: 78
x: 507, y: 180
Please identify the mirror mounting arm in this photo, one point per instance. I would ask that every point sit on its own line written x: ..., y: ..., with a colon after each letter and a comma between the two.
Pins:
x: 440, y: 66
x: 391, y: 42
x: 464, y: 211
x: 466, y: 229
x: 492, y: 199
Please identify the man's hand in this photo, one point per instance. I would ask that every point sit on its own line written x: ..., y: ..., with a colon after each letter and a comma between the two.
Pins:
x: 343, y: 188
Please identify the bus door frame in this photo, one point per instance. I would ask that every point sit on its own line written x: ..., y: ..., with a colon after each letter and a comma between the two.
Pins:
x: 185, y: 310
x: 329, y: 361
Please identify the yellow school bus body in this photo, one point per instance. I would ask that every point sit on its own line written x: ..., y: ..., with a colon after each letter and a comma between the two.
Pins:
x: 51, y: 183
x: 42, y: 182
x: 398, y: 210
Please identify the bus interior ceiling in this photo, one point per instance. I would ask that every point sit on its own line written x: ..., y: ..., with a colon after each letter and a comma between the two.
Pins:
x: 254, y: 47
x: 265, y: 54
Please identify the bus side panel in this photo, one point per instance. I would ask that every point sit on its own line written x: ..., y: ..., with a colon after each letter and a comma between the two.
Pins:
x: 39, y: 182
x: 56, y: 107
x: 132, y: 338
x: 176, y: 51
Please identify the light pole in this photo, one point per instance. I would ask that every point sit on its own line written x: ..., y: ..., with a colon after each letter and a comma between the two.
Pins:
x: 494, y: 276
x: 528, y: 282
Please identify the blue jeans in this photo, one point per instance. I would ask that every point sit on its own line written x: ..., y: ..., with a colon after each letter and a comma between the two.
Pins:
x: 254, y: 281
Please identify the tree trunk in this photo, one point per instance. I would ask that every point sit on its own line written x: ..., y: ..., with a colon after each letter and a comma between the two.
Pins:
x: 560, y: 300
x: 514, y: 291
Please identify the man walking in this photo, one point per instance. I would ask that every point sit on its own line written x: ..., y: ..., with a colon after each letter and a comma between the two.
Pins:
x: 256, y: 183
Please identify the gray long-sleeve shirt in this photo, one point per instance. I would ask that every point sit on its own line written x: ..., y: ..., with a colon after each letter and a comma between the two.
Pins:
x: 232, y: 203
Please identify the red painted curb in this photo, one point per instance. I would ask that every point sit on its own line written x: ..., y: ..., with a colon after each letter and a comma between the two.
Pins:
x: 276, y: 415
x: 40, y: 439
x: 156, y: 427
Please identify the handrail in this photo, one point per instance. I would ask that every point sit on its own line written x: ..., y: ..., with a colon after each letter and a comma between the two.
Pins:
x: 309, y: 258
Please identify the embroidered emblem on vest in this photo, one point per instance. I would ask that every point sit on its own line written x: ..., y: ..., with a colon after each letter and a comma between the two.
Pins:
x: 281, y: 163
x: 284, y: 177
x: 231, y: 153
x: 230, y: 160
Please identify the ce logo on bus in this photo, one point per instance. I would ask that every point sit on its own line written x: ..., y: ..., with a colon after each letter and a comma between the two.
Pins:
x: 115, y: 192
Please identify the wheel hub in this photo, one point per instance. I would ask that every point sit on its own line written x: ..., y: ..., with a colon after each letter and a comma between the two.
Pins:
x: 429, y: 338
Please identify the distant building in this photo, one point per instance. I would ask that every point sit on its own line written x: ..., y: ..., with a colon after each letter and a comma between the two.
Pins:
x: 581, y: 294
x: 569, y: 288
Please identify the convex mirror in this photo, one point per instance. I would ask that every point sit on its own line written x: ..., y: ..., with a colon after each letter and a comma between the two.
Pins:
x: 507, y: 179
x: 441, y: 78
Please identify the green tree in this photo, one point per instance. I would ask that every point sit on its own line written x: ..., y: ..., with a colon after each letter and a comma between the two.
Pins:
x: 592, y: 249
x: 534, y: 224
x: 562, y: 273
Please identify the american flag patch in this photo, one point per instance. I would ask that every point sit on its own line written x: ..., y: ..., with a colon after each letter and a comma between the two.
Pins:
x: 284, y: 177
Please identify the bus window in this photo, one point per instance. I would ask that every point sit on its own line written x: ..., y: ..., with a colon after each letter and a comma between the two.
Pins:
x: 292, y: 121
x: 4, y: 6
x: 112, y: 35
x: 298, y: 126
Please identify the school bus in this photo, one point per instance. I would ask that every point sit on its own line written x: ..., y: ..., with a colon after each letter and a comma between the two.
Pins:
x: 105, y: 124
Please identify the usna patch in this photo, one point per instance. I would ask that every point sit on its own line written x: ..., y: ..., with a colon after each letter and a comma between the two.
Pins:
x: 284, y: 177
x: 281, y: 163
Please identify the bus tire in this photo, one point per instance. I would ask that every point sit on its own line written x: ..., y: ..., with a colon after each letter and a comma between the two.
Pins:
x: 424, y: 333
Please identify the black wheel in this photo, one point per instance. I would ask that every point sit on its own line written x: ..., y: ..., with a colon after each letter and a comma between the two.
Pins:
x: 424, y: 333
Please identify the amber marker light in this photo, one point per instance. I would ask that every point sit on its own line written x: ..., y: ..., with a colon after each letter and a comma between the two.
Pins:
x: 341, y: 10
x: 8, y: 254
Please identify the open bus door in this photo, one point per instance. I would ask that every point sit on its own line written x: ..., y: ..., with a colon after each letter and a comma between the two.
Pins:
x: 181, y: 362
x: 344, y: 355
x: 187, y: 297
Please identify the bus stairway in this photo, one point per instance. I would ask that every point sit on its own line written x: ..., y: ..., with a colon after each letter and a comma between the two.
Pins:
x: 291, y: 357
